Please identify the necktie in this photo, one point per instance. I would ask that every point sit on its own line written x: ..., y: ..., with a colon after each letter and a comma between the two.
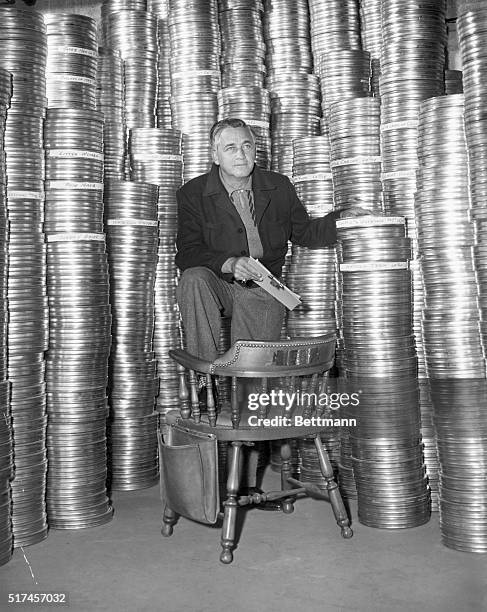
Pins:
x: 243, y: 201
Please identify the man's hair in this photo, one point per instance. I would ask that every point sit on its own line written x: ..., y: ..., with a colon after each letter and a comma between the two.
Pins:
x: 219, y: 126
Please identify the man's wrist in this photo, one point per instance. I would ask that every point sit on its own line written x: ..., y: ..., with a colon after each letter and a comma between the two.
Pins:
x: 227, y: 267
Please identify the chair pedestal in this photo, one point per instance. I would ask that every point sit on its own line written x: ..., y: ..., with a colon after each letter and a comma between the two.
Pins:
x: 231, y: 505
x: 169, y: 519
x: 336, y: 500
x: 286, y: 473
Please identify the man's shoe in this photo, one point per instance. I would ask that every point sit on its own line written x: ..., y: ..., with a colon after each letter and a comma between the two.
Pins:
x: 269, y: 506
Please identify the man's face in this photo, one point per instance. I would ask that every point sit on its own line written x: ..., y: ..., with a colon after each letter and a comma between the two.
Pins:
x: 235, y: 152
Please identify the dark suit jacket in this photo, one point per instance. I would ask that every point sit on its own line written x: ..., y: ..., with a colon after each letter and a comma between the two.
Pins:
x: 210, y: 229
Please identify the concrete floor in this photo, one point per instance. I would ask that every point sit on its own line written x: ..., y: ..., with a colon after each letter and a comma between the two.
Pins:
x: 283, y: 562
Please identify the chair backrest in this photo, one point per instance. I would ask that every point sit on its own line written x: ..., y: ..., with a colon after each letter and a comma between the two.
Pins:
x: 298, y: 357
x: 293, y: 364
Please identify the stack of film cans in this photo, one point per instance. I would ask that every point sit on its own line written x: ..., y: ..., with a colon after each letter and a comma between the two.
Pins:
x: 23, y: 53
x: 6, y: 450
x: 156, y: 158
x: 72, y: 61
x: 6, y: 475
x: 459, y: 388
x: 371, y: 33
x: 354, y: 130
x: 79, y: 320
x: 113, y: 6
x: 294, y: 90
x: 242, y: 43
x: 344, y: 74
x: 353, y: 126
x: 446, y: 237
x: 195, y: 78
x: 132, y: 243
x: 133, y: 32
x: 110, y: 102
x: 334, y: 25
x: 459, y: 416
x: 463, y: 500
x: 380, y: 372
x: 163, y: 110
x: 472, y: 22
x: 335, y: 39
x: 412, y: 69
x: 311, y: 272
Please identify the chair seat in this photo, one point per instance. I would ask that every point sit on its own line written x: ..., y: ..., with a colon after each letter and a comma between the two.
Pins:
x: 224, y: 430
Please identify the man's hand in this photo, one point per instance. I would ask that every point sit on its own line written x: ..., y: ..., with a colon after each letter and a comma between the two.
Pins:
x: 243, y: 269
x: 354, y: 211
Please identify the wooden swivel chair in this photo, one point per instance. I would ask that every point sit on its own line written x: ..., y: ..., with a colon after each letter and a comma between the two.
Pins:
x: 296, y: 367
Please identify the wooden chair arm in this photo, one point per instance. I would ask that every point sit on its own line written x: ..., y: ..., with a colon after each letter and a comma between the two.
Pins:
x: 257, y: 359
x: 190, y: 362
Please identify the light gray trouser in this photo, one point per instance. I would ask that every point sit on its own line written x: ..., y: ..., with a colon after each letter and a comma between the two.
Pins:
x: 203, y: 298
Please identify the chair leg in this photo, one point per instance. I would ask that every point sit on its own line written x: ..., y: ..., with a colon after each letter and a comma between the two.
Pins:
x: 286, y: 472
x: 231, y: 504
x: 169, y: 519
x: 336, y: 500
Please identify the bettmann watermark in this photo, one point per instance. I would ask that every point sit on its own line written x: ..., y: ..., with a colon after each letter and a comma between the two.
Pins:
x: 299, y: 421
x: 300, y: 400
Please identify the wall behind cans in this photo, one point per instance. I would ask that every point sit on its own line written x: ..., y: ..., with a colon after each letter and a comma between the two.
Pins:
x: 454, y: 61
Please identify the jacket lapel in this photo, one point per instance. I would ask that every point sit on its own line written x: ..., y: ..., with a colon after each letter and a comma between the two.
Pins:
x: 262, y: 188
x: 218, y: 194
x: 222, y: 201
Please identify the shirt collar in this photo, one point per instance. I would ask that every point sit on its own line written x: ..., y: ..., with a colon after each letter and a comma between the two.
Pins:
x: 262, y: 181
x: 230, y: 189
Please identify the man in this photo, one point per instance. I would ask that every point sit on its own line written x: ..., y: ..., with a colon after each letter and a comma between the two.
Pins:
x: 235, y: 211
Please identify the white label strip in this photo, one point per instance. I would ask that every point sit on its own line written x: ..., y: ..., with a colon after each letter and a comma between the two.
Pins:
x: 318, y: 176
x: 72, y: 78
x: 256, y: 123
x: 77, y: 50
x: 156, y: 157
x: 399, y: 174
x: 74, y: 185
x: 350, y: 161
x: 369, y: 221
x: 178, y: 75
x: 371, y: 266
x: 130, y: 221
x: 75, y: 237
x: 399, y: 125
x: 25, y: 195
x: 74, y: 153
